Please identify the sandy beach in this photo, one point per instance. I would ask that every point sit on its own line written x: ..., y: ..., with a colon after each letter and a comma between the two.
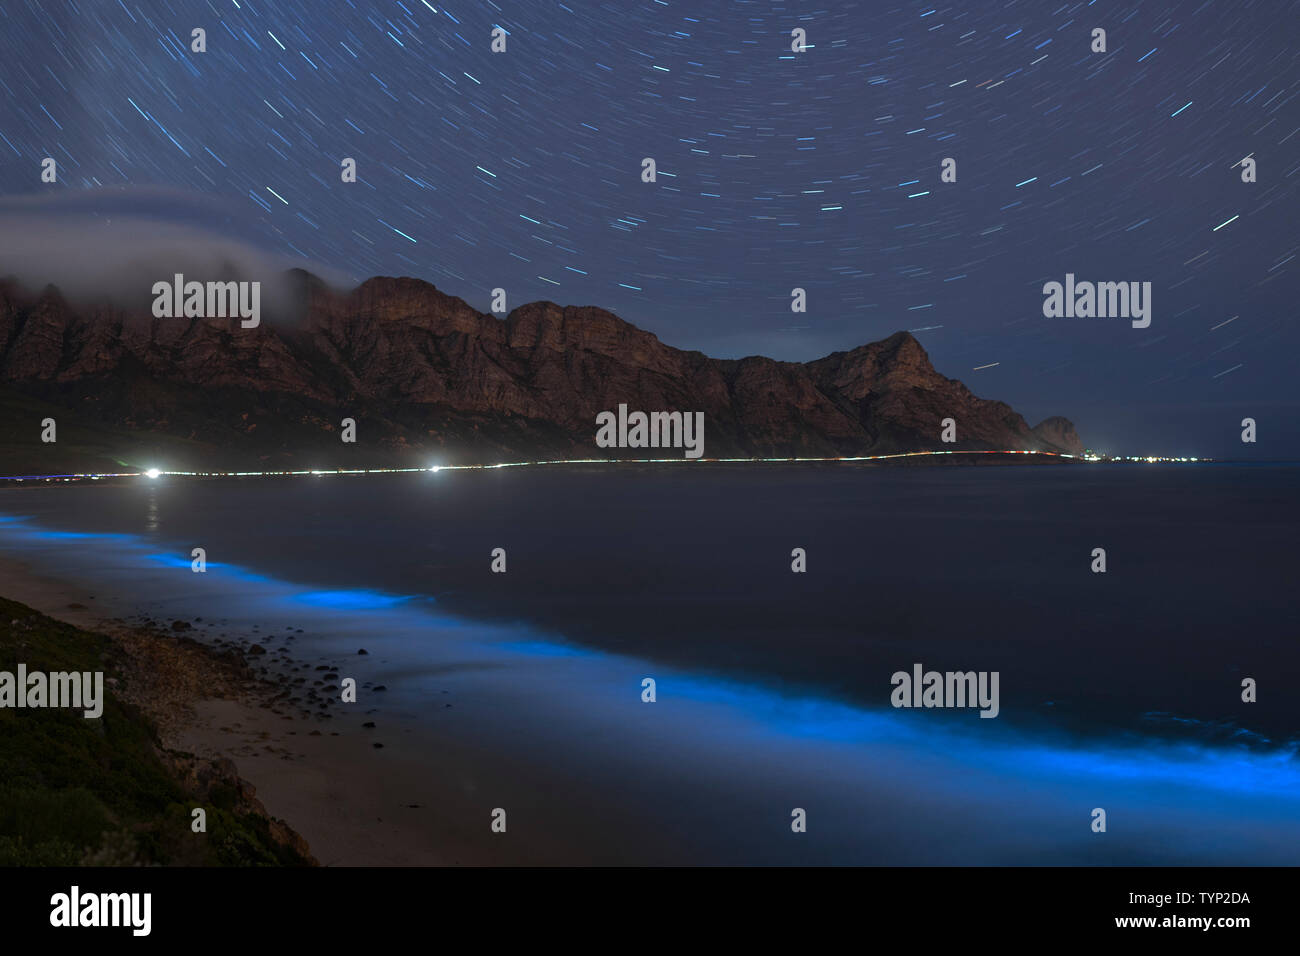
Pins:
x: 355, y: 803
x: 367, y: 784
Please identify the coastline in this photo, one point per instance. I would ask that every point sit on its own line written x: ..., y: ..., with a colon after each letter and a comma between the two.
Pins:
x: 365, y: 784
x: 113, y: 790
x: 210, y: 701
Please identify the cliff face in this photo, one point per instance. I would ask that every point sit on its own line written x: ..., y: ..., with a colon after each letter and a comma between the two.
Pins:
x: 1060, y: 432
x: 428, y: 378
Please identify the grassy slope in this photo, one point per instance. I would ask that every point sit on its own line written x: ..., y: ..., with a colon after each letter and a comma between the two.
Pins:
x: 82, y: 446
x: 77, y: 791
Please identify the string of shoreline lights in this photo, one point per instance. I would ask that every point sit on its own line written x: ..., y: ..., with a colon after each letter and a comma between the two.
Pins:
x: 155, y: 473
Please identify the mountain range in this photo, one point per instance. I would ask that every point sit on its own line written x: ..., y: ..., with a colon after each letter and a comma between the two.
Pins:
x: 429, y: 380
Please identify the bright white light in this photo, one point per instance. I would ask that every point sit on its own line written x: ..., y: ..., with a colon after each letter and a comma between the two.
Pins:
x: 436, y: 468
x: 153, y: 472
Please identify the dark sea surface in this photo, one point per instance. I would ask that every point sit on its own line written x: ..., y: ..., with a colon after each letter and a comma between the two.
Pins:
x: 1119, y: 690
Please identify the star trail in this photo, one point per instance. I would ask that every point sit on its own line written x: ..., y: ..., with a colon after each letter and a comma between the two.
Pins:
x: 777, y: 169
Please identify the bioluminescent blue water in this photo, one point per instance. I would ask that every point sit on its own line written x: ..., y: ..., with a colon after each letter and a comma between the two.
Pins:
x: 749, y: 721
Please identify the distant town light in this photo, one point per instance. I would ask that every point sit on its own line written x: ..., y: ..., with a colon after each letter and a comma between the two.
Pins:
x: 156, y: 472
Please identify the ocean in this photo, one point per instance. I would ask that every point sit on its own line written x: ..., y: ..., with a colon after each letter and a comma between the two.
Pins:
x: 773, y: 689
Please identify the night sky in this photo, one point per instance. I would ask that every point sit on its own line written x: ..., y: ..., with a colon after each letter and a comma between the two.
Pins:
x: 777, y: 170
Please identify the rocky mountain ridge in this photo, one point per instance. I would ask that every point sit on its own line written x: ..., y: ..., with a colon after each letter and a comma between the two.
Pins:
x: 427, y: 378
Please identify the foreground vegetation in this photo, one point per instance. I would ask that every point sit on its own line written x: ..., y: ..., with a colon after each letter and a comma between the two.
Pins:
x: 77, y: 791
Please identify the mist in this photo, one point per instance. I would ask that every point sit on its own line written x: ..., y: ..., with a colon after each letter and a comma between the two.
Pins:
x: 113, y: 245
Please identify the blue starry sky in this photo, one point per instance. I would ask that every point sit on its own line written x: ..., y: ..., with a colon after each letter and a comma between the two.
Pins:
x: 776, y: 170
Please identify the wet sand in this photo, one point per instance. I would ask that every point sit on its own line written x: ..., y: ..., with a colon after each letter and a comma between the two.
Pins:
x: 355, y: 804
